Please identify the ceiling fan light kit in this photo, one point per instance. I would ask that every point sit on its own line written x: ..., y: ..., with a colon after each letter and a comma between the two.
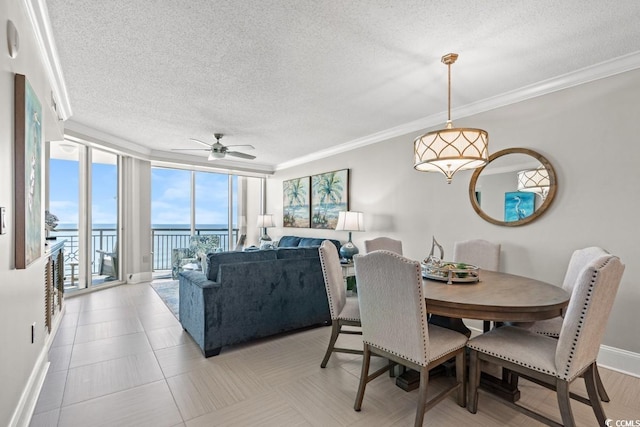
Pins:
x: 450, y: 150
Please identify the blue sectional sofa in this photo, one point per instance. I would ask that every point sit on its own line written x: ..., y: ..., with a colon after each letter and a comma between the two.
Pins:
x: 248, y: 295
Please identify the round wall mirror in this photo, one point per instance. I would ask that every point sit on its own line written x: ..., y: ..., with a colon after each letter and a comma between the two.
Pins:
x: 515, y: 187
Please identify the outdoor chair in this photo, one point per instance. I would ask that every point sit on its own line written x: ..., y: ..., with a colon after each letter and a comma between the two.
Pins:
x: 199, y: 245
x: 108, y: 262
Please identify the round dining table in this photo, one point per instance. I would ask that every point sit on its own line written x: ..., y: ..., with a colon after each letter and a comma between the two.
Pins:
x: 499, y: 297
x: 496, y: 296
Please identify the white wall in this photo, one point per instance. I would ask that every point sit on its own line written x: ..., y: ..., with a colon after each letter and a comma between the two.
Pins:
x: 21, y: 291
x: 590, y: 135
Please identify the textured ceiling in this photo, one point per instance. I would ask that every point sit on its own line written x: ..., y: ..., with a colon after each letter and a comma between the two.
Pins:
x: 294, y: 77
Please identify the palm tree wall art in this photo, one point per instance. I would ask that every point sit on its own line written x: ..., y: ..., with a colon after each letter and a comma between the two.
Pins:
x: 329, y: 195
x: 296, y: 207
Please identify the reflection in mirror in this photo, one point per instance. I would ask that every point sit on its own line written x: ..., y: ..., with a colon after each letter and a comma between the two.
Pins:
x: 514, y: 188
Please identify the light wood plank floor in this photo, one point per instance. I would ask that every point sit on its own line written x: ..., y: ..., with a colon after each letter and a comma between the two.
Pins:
x: 121, y: 358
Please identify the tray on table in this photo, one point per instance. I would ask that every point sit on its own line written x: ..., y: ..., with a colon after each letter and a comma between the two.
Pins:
x: 451, y: 272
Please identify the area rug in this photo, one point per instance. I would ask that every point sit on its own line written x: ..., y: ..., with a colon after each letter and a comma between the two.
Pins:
x: 168, y: 292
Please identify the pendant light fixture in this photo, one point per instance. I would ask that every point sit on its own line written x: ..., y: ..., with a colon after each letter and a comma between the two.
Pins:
x: 535, y: 181
x: 450, y: 150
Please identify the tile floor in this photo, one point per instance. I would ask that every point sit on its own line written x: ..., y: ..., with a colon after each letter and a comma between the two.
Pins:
x: 120, y: 358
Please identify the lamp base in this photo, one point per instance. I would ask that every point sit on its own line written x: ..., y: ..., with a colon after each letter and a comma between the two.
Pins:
x: 348, y: 250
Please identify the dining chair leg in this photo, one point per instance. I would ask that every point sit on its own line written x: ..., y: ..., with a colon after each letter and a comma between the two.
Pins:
x: 594, y: 396
x: 461, y: 369
x: 599, y: 385
x: 564, y: 403
x: 422, y: 396
x: 474, y: 380
x: 335, y: 331
x: 364, y: 377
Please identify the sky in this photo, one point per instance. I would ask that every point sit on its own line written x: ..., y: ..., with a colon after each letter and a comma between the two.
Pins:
x: 170, y: 195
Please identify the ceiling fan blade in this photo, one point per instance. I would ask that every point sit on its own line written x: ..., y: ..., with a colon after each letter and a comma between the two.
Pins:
x: 190, y: 149
x: 201, y: 142
x: 241, y: 155
x: 249, y: 147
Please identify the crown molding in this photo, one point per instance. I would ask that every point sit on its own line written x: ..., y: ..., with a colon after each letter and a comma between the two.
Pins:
x: 585, y: 75
x: 39, y: 17
x: 87, y: 135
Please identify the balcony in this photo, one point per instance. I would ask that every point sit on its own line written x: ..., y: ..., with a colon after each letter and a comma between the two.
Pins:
x: 164, y: 241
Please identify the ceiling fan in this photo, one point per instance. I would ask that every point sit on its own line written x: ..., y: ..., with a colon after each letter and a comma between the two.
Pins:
x: 219, y: 151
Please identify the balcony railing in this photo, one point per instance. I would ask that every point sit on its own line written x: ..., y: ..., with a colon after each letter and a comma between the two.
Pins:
x: 164, y: 240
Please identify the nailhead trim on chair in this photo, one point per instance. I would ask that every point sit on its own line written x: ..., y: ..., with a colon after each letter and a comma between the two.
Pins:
x: 587, y: 303
x: 428, y: 357
x: 423, y: 320
x: 565, y: 377
x: 546, y: 333
x: 334, y: 316
x: 508, y: 359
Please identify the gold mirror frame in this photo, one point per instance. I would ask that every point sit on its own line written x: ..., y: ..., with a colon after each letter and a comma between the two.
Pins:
x: 538, y: 212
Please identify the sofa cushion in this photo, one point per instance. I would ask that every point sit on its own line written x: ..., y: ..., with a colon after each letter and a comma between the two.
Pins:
x: 288, y: 242
x: 314, y: 242
x: 216, y: 259
x: 296, y: 253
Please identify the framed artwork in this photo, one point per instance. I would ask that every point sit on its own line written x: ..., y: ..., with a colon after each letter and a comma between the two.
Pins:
x: 329, y: 195
x: 28, y: 173
x: 296, y: 207
x: 518, y: 205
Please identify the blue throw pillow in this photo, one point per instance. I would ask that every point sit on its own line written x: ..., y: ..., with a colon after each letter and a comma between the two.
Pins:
x: 289, y: 242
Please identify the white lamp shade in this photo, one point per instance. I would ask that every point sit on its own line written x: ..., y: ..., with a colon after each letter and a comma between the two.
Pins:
x: 534, y: 180
x: 266, y: 221
x: 350, y: 221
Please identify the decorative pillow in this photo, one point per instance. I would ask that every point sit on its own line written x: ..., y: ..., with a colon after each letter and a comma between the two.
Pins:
x: 289, y: 242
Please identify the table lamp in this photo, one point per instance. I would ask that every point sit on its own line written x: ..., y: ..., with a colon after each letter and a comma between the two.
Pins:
x: 349, y: 221
x: 265, y: 221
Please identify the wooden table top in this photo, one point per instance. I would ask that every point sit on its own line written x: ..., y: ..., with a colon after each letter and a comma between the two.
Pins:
x: 497, y: 296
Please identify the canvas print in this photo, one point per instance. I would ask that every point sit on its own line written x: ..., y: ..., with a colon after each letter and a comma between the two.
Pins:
x: 296, y: 207
x: 28, y: 173
x: 518, y: 205
x: 329, y: 195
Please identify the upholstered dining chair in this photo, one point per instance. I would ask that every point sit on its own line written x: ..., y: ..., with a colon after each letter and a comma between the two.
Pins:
x: 383, y: 243
x: 344, y: 311
x: 481, y: 253
x: 394, y: 326
x: 556, y: 362
x: 551, y: 327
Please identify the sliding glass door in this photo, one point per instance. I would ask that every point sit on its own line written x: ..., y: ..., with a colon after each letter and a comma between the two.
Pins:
x: 83, y: 188
x: 104, y: 217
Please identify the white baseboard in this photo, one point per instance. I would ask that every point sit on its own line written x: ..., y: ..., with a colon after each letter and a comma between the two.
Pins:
x: 619, y: 360
x: 139, y: 277
x: 26, y: 405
